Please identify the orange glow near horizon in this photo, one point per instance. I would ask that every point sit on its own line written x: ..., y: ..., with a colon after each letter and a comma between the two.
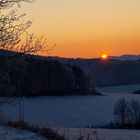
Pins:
x: 87, y: 28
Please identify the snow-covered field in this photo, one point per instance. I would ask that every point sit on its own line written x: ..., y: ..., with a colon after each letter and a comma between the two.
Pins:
x: 101, y: 134
x: 73, y: 111
x: 7, y: 133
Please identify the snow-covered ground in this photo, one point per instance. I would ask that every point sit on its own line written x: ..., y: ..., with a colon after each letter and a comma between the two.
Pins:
x: 120, y: 89
x: 73, y: 111
x: 7, y: 133
x: 101, y: 134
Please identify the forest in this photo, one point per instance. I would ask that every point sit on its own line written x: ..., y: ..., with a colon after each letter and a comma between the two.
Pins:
x: 30, y: 76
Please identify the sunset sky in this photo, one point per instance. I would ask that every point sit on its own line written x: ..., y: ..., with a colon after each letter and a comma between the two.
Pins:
x: 87, y: 28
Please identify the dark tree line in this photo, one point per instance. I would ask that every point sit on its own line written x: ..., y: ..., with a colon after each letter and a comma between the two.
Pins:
x: 127, y: 114
x: 37, y: 77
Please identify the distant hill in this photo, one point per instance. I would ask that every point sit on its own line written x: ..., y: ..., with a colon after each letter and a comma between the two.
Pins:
x: 108, y: 72
x: 126, y: 57
x: 121, y: 70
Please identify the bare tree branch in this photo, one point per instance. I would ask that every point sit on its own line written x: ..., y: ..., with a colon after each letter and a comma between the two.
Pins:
x: 13, y: 29
x: 4, y: 4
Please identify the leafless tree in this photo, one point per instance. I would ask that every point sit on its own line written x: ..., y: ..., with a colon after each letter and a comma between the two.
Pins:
x: 13, y: 29
x: 121, y: 112
x: 134, y: 106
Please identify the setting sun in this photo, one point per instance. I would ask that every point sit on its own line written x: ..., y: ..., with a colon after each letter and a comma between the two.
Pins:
x: 104, y: 56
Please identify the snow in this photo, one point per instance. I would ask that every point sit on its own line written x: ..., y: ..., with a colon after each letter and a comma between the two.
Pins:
x: 70, y: 113
x: 73, y: 111
x: 101, y: 134
x: 7, y: 133
x: 120, y: 89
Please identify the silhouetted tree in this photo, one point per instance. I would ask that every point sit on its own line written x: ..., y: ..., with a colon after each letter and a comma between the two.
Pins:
x: 11, y: 29
x: 127, y: 114
x: 121, y: 112
x: 134, y: 112
x: 81, y: 79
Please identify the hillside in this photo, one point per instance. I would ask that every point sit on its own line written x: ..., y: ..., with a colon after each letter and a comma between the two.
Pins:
x: 109, y: 72
x: 31, y: 76
x: 96, y: 72
x: 126, y: 57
